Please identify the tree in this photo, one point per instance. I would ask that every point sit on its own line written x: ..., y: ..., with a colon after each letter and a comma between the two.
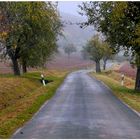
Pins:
x: 69, y: 49
x: 120, y: 24
x: 84, y: 53
x: 46, y: 36
x: 95, y: 50
x: 29, y: 30
x: 107, y: 54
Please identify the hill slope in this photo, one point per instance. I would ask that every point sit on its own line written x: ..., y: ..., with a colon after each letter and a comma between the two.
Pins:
x: 73, y: 33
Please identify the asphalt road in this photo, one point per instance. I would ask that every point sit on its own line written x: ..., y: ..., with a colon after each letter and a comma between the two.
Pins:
x: 82, y: 108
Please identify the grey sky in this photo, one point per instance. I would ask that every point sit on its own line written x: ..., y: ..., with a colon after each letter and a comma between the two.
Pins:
x: 70, y: 7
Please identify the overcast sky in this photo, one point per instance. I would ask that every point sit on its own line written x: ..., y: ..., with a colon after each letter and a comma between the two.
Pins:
x: 70, y: 7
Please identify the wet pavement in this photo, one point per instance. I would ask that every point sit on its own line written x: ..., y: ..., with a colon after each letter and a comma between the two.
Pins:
x: 82, y: 107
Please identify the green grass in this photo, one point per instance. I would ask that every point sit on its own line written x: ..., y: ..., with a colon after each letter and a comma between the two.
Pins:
x: 6, y: 75
x: 22, y: 97
x: 126, y: 94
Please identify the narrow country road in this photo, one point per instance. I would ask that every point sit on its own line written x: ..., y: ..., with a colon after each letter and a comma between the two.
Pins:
x: 82, y: 108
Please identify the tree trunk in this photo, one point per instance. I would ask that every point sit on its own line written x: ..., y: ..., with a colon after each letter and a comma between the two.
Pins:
x: 16, y: 67
x: 104, y: 65
x: 137, y: 85
x: 98, y: 69
x: 24, y: 67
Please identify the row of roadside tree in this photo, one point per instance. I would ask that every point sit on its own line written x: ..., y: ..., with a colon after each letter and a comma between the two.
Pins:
x: 119, y: 23
x: 28, y: 32
x: 96, y: 50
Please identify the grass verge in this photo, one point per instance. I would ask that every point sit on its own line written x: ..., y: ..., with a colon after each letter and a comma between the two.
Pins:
x: 126, y: 93
x: 21, y: 97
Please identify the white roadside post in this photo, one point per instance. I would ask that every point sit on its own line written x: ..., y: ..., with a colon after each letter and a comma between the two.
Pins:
x: 43, y: 81
x: 122, y: 79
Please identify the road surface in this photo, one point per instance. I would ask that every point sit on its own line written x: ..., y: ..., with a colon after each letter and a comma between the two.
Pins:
x: 82, y: 108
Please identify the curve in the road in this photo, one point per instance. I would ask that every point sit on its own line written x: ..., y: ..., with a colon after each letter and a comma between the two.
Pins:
x: 82, y: 108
